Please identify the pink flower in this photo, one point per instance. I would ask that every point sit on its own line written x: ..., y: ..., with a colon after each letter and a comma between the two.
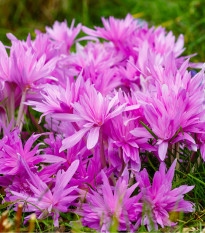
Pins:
x: 47, y: 201
x: 177, y: 102
x: 43, y: 45
x: 98, y: 62
x: 110, y: 203
x: 4, y: 63
x: 162, y: 42
x: 160, y: 199
x: 57, y: 99
x: 129, y: 139
x: 63, y: 35
x: 119, y: 31
x: 22, y: 67
x: 26, y: 70
x: 12, y: 150
x: 92, y: 111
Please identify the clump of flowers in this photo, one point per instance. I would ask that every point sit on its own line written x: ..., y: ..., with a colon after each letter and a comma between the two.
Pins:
x: 105, y: 111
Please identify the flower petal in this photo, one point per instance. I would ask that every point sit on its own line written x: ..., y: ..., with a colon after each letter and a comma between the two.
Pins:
x: 73, y: 140
x: 93, y: 137
x: 162, y: 150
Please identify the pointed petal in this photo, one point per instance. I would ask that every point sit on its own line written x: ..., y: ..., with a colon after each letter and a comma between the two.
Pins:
x: 63, y: 179
x: 170, y: 173
x: 162, y: 150
x: 116, y: 112
x: 93, y: 137
x: 73, y: 140
x: 67, y: 117
x: 52, y: 159
x: 34, y: 177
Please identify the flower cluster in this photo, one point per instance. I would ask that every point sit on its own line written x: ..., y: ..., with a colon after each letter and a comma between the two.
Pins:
x: 128, y: 93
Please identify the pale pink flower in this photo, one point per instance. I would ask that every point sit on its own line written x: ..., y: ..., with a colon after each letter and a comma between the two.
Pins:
x: 160, y: 199
x: 63, y: 35
x: 22, y: 66
x: 121, y: 32
x: 92, y: 111
x: 57, y: 99
x: 12, y: 151
x: 109, y: 203
x: 129, y: 138
x: 176, y: 101
x: 47, y: 201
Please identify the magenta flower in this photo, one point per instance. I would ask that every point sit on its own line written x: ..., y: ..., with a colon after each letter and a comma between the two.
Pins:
x: 23, y: 67
x: 56, y: 99
x: 119, y: 31
x: 176, y: 104
x: 89, y: 172
x: 49, y: 202
x: 12, y: 150
x: 63, y: 35
x: 160, y: 199
x: 130, y: 139
x: 92, y: 111
x: 201, y: 143
x: 4, y: 63
x: 98, y: 62
x: 164, y: 43
x: 109, y: 203
x: 16, y: 183
x: 21, y: 182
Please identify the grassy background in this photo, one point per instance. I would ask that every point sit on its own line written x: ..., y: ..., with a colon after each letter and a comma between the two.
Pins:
x: 181, y: 16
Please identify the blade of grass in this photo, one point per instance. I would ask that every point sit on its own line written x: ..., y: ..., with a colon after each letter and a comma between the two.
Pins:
x: 149, y: 130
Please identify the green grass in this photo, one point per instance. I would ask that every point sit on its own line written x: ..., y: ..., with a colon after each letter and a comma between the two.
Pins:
x: 184, y: 16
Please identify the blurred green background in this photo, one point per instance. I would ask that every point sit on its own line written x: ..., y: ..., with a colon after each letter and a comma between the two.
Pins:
x: 181, y: 16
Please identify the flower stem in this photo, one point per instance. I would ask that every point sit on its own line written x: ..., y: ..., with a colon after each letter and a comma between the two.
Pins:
x: 123, y: 162
x: 102, y: 152
x: 21, y: 108
x: 3, y: 116
x: 172, y: 153
x: 11, y: 106
x: 177, y: 157
x: 32, y: 223
x: 150, y: 162
x: 177, y: 154
x: 22, y: 119
x: 34, y: 122
x: 18, y: 217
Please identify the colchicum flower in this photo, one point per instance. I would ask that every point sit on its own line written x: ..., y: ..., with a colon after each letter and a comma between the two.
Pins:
x: 160, y: 199
x: 46, y: 201
x: 63, y: 35
x: 109, y: 204
x: 92, y: 111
